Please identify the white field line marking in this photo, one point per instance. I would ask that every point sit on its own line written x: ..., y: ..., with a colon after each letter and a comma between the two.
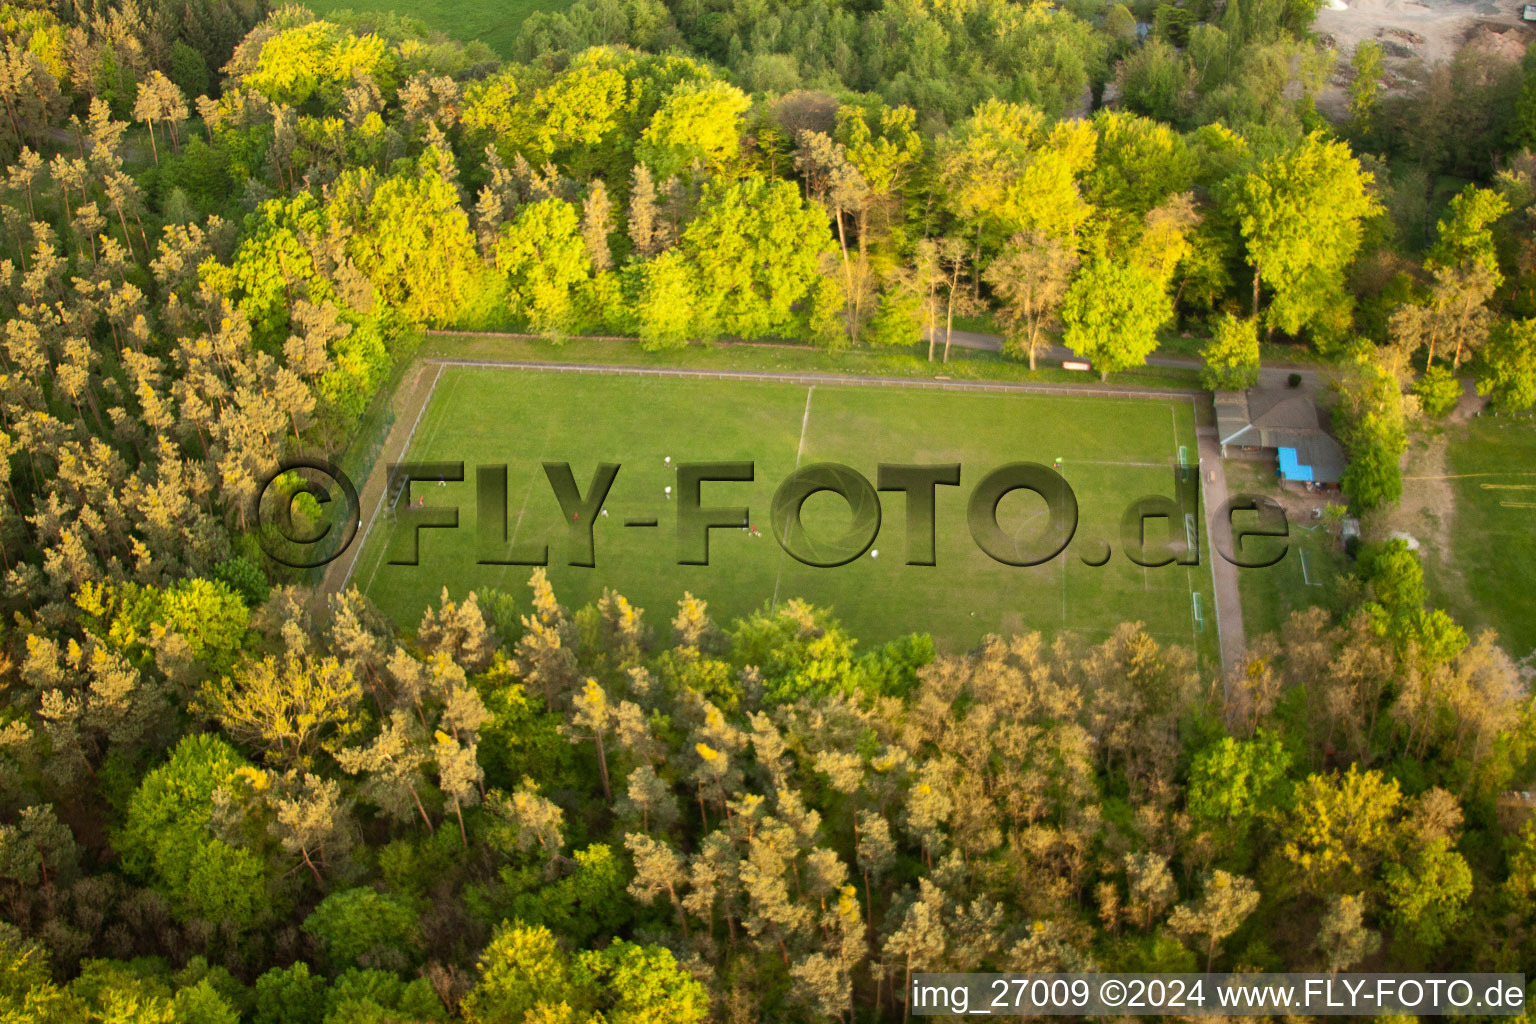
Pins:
x: 1173, y: 427
x: 1208, y: 553
x: 405, y: 451
x: 1069, y: 392
x: 1063, y: 556
x: 439, y: 421
x: 1195, y: 625
x: 363, y: 541
x: 805, y: 420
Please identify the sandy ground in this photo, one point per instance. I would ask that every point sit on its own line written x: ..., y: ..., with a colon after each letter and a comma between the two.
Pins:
x: 1417, y: 33
x: 1427, y: 510
x: 1431, y: 31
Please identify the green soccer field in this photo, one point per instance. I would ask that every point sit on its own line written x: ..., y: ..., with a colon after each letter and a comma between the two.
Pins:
x: 1113, y: 450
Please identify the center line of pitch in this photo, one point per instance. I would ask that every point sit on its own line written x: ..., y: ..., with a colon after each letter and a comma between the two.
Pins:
x: 805, y: 420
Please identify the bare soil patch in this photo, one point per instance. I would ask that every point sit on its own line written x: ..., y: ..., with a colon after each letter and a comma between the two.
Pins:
x: 1427, y: 511
x: 1417, y: 33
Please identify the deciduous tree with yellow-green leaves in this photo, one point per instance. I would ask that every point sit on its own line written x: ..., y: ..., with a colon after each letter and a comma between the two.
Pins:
x: 1302, y: 216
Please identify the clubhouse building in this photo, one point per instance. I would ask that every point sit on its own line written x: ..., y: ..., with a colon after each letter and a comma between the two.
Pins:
x: 1279, y: 423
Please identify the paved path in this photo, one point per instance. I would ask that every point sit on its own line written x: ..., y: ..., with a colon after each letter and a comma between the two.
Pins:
x: 1229, y: 604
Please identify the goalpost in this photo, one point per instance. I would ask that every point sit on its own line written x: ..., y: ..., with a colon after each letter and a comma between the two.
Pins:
x: 1191, y: 543
x: 1191, y: 530
x: 398, y: 487
x: 1306, y: 576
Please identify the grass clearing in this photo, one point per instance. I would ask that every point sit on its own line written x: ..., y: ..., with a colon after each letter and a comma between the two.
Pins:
x: 1487, y: 578
x: 1114, y: 451
x: 493, y: 22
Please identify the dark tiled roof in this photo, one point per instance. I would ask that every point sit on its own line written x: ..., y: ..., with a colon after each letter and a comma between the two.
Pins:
x: 1279, y: 418
x: 1232, y: 418
x: 1314, y: 448
x: 1286, y: 408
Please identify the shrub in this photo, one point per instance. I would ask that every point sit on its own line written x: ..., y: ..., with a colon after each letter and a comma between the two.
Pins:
x: 1232, y: 355
x: 363, y: 927
x: 245, y: 578
x: 168, y: 838
x: 289, y: 995
x: 1438, y: 391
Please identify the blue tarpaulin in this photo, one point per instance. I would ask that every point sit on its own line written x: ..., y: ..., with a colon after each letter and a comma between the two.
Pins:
x: 1291, y: 469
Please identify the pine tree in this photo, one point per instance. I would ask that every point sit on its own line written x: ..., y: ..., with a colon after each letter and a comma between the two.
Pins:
x: 535, y: 821
x: 918, y: 940
x: 643, y: 212
x: 311, y: 820
x: 1150, y: 887
x: 658, y: 868
x: 459, y: 775
x: 1342, y: 937
x: 393, y: 763
x: 596, y: 224
x: 592, y: 715
x: 458, y: 631
x: 1223, y: 906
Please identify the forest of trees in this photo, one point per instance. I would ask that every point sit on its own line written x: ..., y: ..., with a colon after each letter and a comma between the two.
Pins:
x: 223, y: 800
